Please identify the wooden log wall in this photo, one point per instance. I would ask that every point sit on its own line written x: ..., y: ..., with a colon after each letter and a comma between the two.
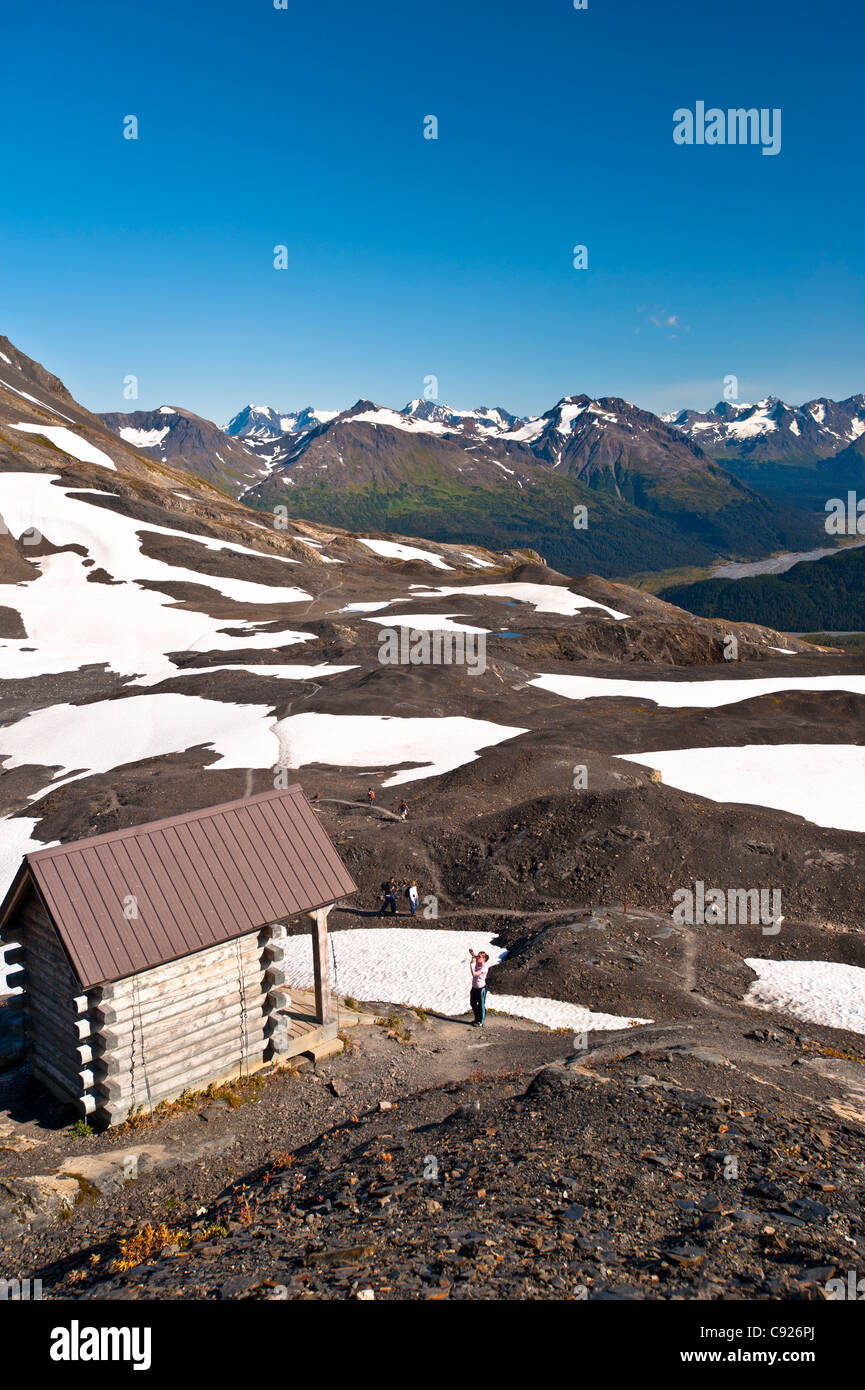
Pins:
x: 57, y: 1027
x: 177, y: 1027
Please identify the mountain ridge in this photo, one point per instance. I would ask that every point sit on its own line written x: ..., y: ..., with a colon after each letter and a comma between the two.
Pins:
x: 593, y: 483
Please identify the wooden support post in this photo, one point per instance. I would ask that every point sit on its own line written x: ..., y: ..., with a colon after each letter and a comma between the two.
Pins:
x: 324, y: 1010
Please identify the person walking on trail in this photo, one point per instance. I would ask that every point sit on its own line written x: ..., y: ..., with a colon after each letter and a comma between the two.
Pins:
x: 403, y: 810
x: 412, y: 895
x: 370, y: 795
x: 478, y: 995
x: 389, y: 903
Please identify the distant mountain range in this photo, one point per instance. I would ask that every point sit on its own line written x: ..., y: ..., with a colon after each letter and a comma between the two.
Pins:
x: 772, y: 431
x: 768, y: 431
x: 804, y: 454
x: 653, y: 498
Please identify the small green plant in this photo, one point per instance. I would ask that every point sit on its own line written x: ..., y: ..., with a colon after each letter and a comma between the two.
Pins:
x: 395, y: 1028
x: 389, y: 1021
x: 81, y: 1130
x: 212, y: 1233
x: 351, y: 1003
x: 86, y: 1192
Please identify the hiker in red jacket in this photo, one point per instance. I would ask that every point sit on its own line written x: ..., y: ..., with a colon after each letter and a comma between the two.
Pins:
x: 370, y: 796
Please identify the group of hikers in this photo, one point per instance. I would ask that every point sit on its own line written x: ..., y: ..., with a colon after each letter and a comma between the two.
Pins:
x: 403, y: 807
x: 480, y: 961
x: 389, y: 891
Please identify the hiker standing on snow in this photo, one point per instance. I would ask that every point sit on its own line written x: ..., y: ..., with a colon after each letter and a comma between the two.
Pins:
x: 412, y: 895
x: 478, y: 995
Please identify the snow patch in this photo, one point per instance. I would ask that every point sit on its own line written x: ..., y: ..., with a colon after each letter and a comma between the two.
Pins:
x: 815, y: 991
x: 429, y: 622
x: 394, y: 550
x: 373, y: 740
x: 144, y: 439
x: 81, y: 739
x: 72, y: 622
x: 429, y: 969
x: 692, y: 694
x: 16, y: 841
x: 52, y: 410
x: 71, y: 444
x: 396, y: 420
x: 544, y: 598
x: 822, y: 782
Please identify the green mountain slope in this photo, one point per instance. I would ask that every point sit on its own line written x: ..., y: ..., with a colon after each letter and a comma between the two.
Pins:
x: 644, y: 510
x: 813, y: 595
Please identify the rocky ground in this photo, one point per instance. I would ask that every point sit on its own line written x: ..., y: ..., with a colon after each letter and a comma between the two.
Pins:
x: 719, y: 1157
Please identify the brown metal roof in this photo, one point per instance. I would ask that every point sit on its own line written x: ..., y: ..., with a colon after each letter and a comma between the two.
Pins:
x: 198, y: 880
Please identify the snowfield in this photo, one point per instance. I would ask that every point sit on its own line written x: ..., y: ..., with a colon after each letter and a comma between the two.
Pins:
x: 375, y: 740
x: 82, y: 739
x: 72, y: 622
x: 393, y: 550
x: 544, y: 598
x: 691, y: 694
x: 293, y: 671
x: 144, y: 439
x: 815, y: 991
x: 820, y: 781
x: 429, y: 969
x: 382, y: 415
x: 432, y: 622
x: 71, y: 444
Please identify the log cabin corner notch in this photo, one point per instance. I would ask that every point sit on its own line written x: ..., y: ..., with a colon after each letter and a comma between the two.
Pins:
x: 154, y: 957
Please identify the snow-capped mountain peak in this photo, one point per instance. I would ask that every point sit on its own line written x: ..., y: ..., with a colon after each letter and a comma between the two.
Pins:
x: 255, y: 422
x: 772, y: 430
x: 262, y: 423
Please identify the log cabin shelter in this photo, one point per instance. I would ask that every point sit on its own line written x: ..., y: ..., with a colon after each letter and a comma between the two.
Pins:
x: 154, y: 958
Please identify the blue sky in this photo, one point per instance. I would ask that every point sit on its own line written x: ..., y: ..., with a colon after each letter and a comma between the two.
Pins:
x: 411, y: 257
